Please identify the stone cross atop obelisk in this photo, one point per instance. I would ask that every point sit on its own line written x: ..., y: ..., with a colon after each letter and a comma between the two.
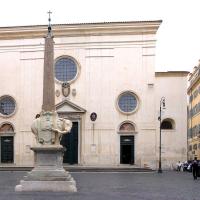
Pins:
x: 48, y: 77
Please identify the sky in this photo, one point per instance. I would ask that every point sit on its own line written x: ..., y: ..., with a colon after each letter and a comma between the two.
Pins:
x: 178, y: 38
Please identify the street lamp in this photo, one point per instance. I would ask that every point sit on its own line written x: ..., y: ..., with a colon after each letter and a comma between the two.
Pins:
x: 162, y: 106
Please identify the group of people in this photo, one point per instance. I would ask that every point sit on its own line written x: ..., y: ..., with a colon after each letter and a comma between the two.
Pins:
x: 194, y: 167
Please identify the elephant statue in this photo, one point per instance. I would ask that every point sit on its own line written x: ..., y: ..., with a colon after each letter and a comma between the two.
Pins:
x: 48, y: 128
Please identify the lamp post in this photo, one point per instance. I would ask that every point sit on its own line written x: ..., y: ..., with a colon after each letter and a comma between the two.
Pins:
x: 162, y: 106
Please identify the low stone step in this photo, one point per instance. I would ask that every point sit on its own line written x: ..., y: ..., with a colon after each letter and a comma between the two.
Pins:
x: 83, y: 169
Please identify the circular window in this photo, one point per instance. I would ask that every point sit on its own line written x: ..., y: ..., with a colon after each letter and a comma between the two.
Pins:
x: 127, y: 102
x: 65, y: 69
x: 7, y: 105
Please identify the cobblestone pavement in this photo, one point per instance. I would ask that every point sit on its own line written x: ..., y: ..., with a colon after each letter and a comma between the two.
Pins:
x: 112, y: 186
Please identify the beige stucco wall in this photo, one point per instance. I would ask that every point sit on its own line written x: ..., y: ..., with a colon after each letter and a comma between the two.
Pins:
x: 108, y: 66
x: 21, y: 77
x: 117, y: 65
x: 174, y: 142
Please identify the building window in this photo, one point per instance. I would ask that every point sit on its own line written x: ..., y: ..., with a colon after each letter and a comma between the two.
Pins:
x: 127, y: 102
x: 65, y: 69
x: 195, y: 146
x: 167, y: 124
x: 189, y: 133
x: 7, y: 105
x: 191, y: 98
x: 195, y: 94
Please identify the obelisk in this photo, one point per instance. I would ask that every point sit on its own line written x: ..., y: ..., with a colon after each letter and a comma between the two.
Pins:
x: 48, y: 173
x: 48, y: 76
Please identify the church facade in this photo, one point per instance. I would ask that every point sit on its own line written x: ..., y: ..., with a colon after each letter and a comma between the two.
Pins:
x: 105, y: 83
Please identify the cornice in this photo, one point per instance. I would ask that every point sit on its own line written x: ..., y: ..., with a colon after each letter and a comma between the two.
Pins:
x: 172, y: 74
x: 194, y: 78
x: 193, y: 83
x: 81, y: 29
x: 192, y: 74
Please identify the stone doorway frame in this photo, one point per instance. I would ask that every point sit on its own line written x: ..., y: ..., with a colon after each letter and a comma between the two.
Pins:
x: 8, y: 134
x: 73, y: 112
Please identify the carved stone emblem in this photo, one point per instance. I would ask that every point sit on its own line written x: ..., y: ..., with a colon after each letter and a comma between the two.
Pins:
x: 65, y: 89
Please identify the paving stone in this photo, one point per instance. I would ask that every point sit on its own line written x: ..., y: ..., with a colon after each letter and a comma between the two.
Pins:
x: 111, y: 186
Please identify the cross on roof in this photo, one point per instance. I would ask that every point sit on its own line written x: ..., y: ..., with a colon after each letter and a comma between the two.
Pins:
x: 49, y: 26
x: 49, y: 12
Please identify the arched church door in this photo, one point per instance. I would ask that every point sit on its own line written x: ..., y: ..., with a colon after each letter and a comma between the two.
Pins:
x: 126, y: 130
x: 7, y: 143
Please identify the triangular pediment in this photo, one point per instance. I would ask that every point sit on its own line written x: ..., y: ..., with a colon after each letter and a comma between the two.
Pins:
x: 67, y: 106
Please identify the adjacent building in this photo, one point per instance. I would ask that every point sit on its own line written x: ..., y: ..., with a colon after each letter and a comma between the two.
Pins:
x: 193, y: 114
x: 105, y: 82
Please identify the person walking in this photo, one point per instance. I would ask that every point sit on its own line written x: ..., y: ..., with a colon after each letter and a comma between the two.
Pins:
x: 195, y: 168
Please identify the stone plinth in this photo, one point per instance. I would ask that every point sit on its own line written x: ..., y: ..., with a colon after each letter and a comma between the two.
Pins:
x: 48, y: 173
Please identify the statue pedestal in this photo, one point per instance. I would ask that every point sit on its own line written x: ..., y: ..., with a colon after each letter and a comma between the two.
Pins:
x: 48, y: 173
